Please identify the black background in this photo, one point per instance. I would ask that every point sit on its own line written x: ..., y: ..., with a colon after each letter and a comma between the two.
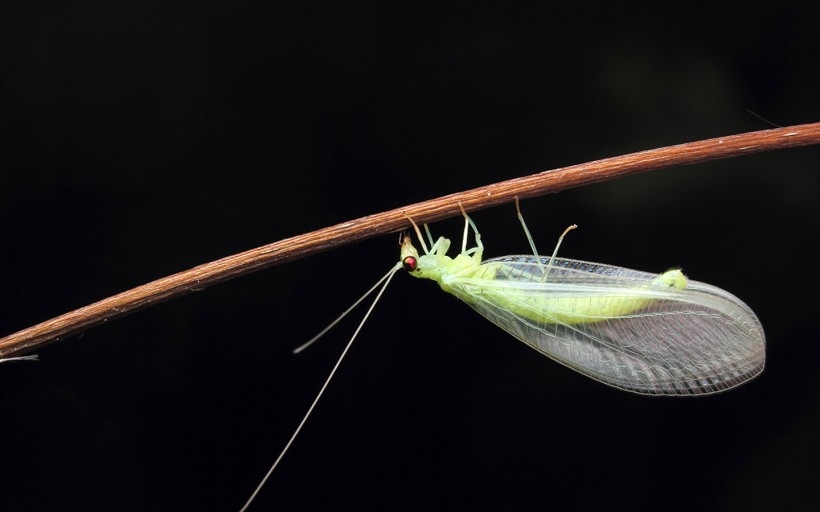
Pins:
x: 143, y: 138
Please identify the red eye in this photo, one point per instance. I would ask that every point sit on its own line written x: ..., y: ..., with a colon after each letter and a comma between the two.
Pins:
x: 410, y: 263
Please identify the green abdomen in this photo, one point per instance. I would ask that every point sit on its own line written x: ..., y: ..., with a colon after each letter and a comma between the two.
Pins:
x: 562, y: 296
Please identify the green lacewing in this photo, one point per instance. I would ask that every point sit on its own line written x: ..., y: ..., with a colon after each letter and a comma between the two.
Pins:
x: 652, y: 334
x: 656, y: 334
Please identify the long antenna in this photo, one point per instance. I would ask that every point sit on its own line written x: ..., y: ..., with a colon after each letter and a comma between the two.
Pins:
x: 387, y: 280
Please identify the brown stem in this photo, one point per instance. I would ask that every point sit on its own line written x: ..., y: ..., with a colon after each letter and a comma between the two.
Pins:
x: 345, y: 233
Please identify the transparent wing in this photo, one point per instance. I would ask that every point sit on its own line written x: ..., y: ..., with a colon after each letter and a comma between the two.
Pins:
x: 691, y: 341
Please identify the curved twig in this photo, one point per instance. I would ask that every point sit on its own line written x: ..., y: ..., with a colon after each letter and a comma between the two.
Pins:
x: 352, y: 231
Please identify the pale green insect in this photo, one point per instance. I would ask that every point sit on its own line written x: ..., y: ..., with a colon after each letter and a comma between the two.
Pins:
x: 641, y: 332
x: 655, y: 334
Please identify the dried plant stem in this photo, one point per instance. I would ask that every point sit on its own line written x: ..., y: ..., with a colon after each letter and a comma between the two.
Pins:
x: 345, y: 233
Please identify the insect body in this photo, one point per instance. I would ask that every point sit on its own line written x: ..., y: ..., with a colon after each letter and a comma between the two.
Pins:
x: 641, y: 332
